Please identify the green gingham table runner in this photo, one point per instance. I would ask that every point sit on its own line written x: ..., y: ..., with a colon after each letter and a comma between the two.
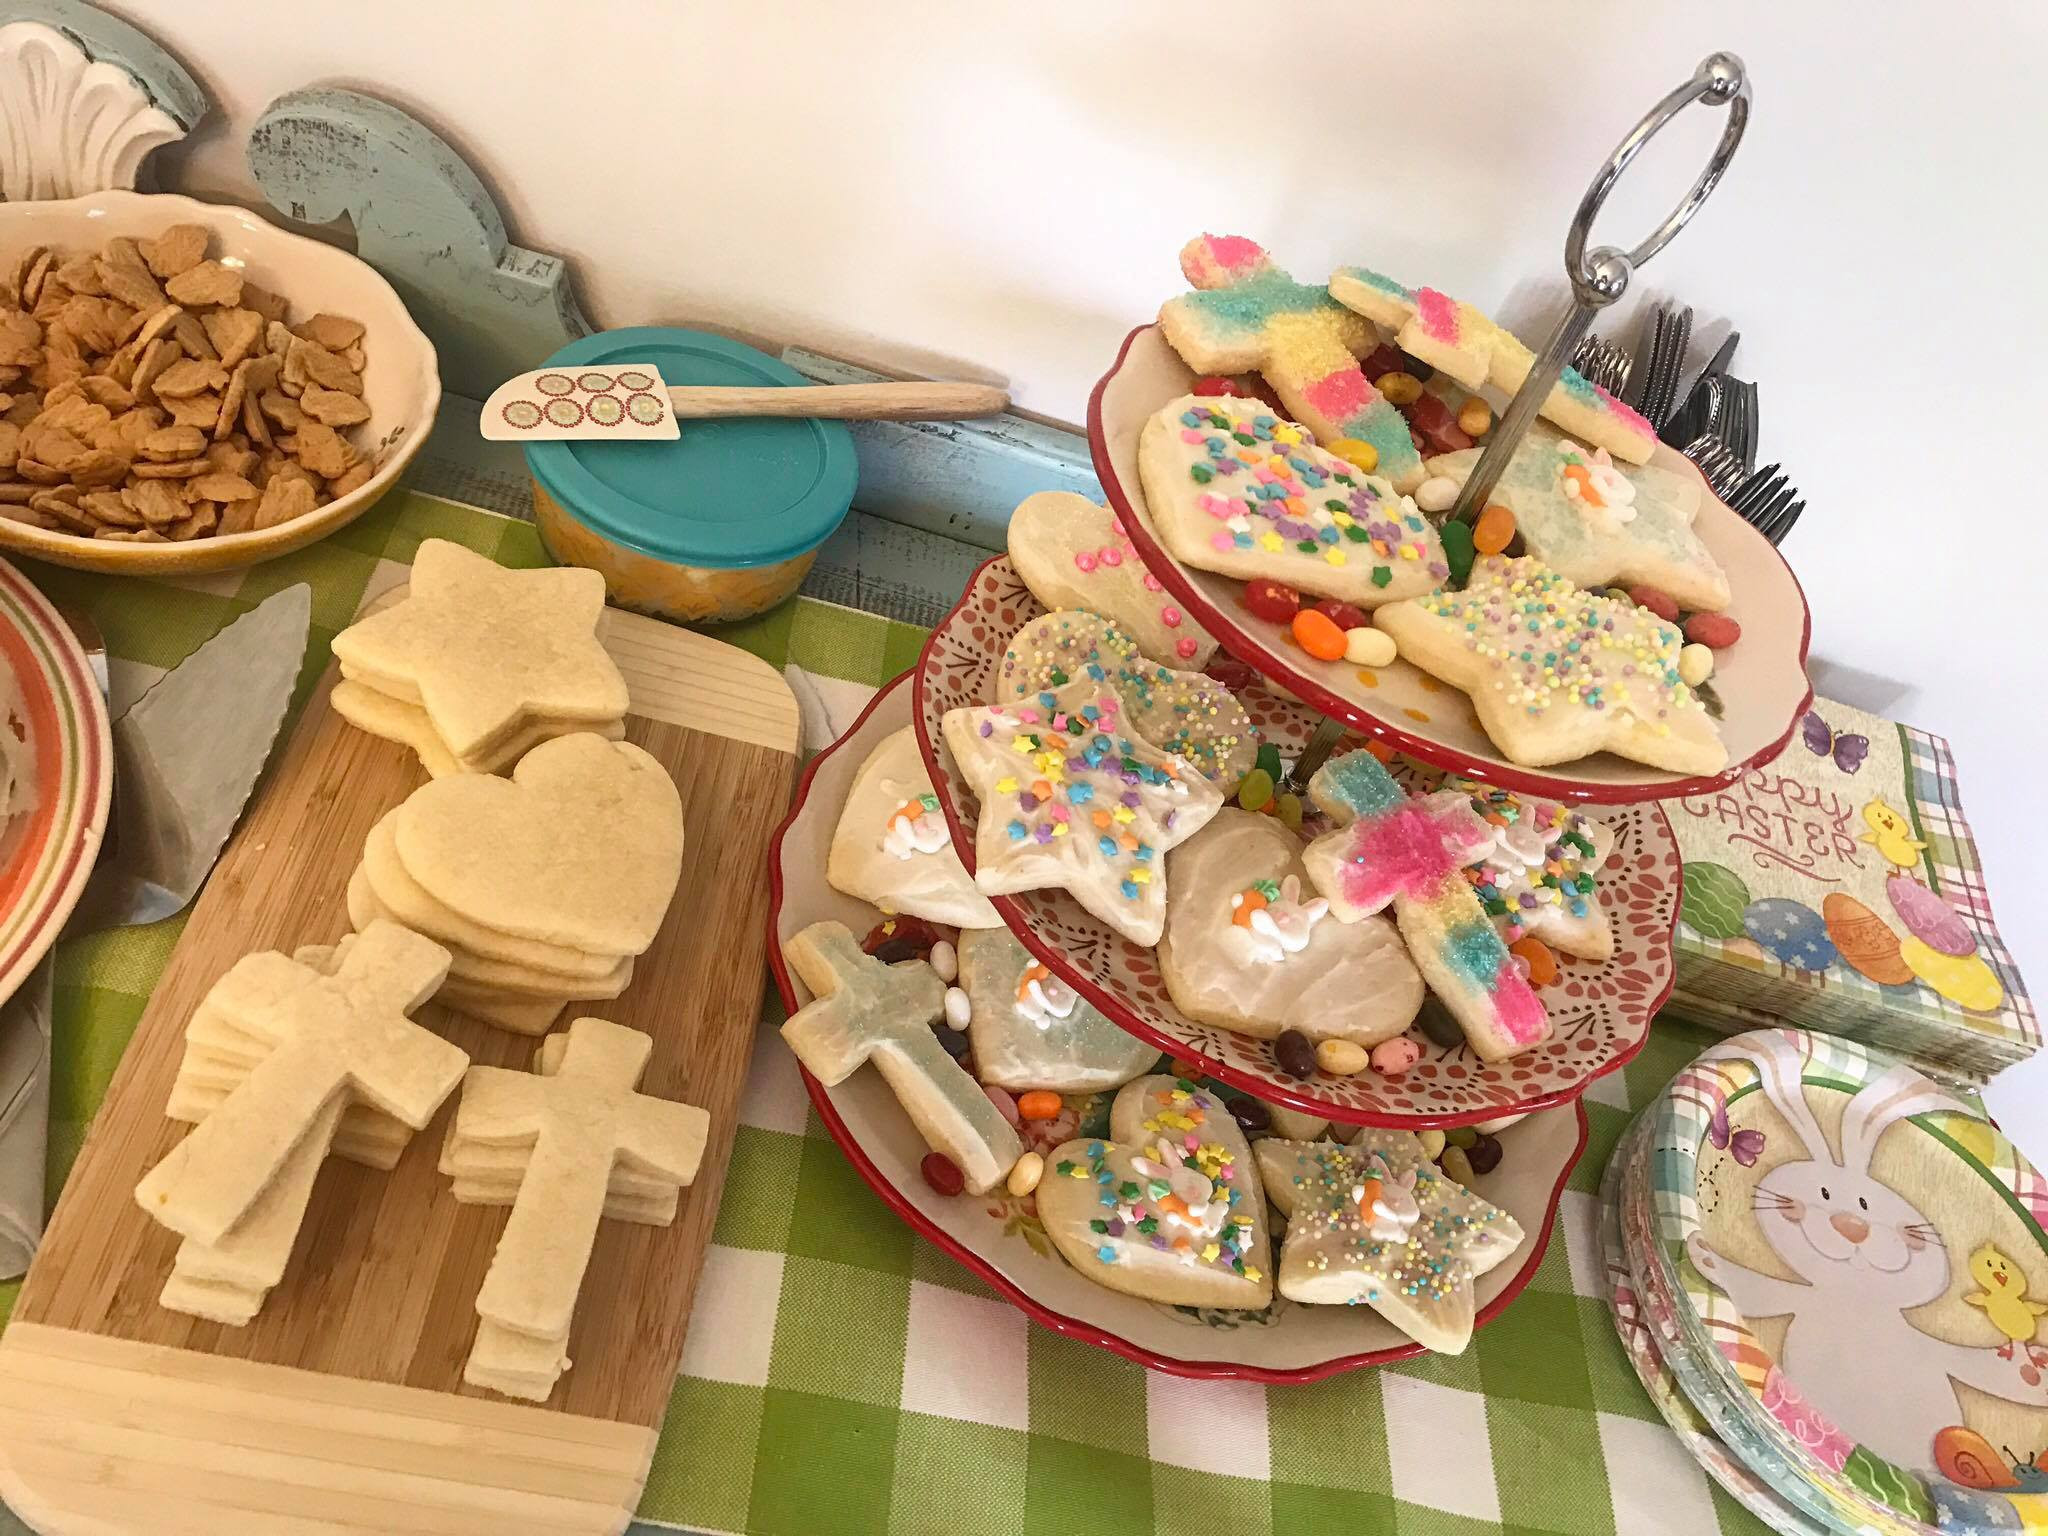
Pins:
x: 843, y: 1376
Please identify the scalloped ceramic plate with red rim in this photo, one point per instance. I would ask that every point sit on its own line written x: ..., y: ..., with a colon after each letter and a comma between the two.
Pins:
x: 1600, y: 1014
x: 997, y: 1236
x: 1761, y: 680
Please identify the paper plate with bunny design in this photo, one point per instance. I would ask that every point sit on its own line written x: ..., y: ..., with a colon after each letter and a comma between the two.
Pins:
x: 1862, y: 1257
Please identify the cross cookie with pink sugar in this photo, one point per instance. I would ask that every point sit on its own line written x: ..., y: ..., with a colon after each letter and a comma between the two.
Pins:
x: 1246, y: 314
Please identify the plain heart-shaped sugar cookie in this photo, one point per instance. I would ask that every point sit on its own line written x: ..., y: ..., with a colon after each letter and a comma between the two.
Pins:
x: 581, y: 847
x: 1072, y: 553
x: 1169, y: 1207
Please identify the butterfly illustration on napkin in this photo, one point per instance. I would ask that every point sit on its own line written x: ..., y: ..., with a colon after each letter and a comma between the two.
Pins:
x: 1745, y: 1146
x: 1848, y: 749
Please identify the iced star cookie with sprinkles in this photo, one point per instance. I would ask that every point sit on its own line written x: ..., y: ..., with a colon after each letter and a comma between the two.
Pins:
x: 1375, y: 1224
x: 1392, y: 848
x: 892, y: 848
x: 1028, y: 1029
x: 1458, y: 340
x: 1247, y: 314
x: 1186, y: 713
x: 1070, y: 799
x: 1555, y: 673
x: 1599, y: 525
x: 1250, y: 947
x: 1167, y: 1206
x: 1073, y: 553
x: 1235, y: 489
x: 1538, y: 877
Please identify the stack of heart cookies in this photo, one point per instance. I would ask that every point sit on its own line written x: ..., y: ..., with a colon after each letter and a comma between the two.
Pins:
x: 475, y: 665
x: 543, y: 887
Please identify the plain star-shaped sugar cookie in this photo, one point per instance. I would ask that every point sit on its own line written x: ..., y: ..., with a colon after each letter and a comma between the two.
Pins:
x: 1069, y: 800
x: 1600, y: 525
x: 480, y: 647
x: 1376, y: 1223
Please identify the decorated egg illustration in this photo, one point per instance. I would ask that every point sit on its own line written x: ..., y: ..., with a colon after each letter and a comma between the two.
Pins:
x: 1865, y: 940
x: 1712, y: 901
x: 1794, y: 934
x: 1964, y: 980
x: 1928, y: 918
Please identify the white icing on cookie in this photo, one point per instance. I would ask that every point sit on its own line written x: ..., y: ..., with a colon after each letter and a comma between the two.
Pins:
x: 892, y: 847
x: 916, y: 826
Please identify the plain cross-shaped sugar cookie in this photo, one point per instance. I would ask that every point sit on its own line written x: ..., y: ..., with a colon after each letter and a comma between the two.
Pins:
x: 866, y: 1011
x: 480, y: 647
x: 583, y: 1118
x: 1246, y: 313
x: 1392, y: 847
x: 341, y: 1034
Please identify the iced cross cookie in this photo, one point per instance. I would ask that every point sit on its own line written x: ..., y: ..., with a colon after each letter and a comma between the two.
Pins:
x: 892, y: 847
x: 1391, y: 847
x: 1598, y: 525
x: 1234, y: 489
x: 1538, y: 877
x: 1376, y: 1225
x: 1250, y: 947
x: 1073, y: 553
x: 1068, y: 800
x: 1248, y: 314
x: 1029, y: 1029
x: 1167, y: 1207
x: 867, y: 1011
x: 1188, y: 714
x: 1460, y: 341
x: 1556, y: 673
x: 576, y: 1127
x: 341, y: 1036
x: 483, y: 651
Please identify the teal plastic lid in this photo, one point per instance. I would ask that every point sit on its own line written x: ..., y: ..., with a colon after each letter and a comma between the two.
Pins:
x: 729, y: 494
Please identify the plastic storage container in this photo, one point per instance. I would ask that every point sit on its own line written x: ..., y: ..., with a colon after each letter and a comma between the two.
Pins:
x: 721, y: 524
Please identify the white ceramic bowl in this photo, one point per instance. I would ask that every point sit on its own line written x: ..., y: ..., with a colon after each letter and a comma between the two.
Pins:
x: 401, y: 382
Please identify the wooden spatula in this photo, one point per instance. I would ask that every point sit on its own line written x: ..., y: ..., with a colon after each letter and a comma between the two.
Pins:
x: 630, y: 403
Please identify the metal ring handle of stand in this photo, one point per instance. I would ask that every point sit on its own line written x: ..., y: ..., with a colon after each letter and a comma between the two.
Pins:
x: 1600, y: 276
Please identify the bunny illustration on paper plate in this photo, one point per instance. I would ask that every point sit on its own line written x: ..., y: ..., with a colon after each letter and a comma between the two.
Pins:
x: 1864, y: 1256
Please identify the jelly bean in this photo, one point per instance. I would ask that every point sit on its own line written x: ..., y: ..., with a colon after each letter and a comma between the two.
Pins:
x: 1273, y: 601
x: 1391, y: 1058
x: 1184, y: 1070
x: 957, y: 1044
x: 1025, y: 1174
x: 1494, y: 530
x: 1005, y: 1105
x: 1251, y: 1116
x: 1369, y: 647
x: 1542, y: 963
x: 1484, y: 1154
x: 1341, y: 1058
x: 1039, y: 1104
x: 897, y: 939
x: 1361, y: 455
x: 1461, y: 1135
x: 1255, y: 789
x: 1387, y: 358
x: 1436, y: 1023
x: 1716, y: 631
x: 1315, y: 633
x: 1289, y: 810
x: 1695, y: 664
x: 1475, y: 417
x: 945, y: 960
x: 1436, y: 494
x: 1296, y: 1056
x: 959, y: 1010
x: 1343, y: 615
x: 1457, y: 539
x: 1432, y: 1143
x: 942, y: 1173
x: 1457, y: 1166
x: 1431, y: 420
x: 1399, y: 388
x: 1269, y: 760
x: 1215, y: 384
x: 1657, y: 600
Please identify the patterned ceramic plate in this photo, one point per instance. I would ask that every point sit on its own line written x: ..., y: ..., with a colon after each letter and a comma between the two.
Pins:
x: 1762, y: 681
x: 53, y: 708
x: 1600, y: 1013
x: 1000, y: 1238
x: 1849, y: 1248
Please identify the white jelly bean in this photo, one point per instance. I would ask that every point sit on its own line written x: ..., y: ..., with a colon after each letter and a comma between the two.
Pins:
x: 958, y: 1010
x: 1436, y: 494
x: 1368, y: 647
x: 1695, y: 665
x: 946, y: 961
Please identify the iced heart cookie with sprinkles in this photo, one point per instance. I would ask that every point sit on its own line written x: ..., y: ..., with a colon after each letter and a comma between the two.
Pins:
x: 1539, y: 876
x: 1073, y: 553
x: 1375, y: 1224
x: 1070, y: 798
x: 892, y: 847
x: 1555, y: 673
x: 1186, y: 713
x: 1235, y: 489
x: 1168, y: 1206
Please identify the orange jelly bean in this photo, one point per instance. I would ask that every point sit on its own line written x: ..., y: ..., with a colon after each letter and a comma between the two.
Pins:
x: 1318, y: 634
x: 1038, y: 1104
x: 1542, y: 963
x: 1494, y: 530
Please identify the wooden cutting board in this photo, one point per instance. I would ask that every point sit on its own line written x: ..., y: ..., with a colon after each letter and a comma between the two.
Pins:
x: 341, y: 1408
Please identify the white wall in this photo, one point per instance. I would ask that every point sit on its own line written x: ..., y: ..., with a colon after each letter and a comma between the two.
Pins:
x: 1001, y: 191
